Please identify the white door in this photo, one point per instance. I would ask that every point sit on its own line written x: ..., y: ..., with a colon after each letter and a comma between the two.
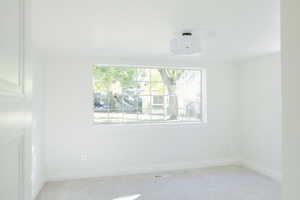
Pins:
x: 14, y: 104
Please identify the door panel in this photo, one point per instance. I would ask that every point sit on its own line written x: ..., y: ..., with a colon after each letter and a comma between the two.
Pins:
x: 11, y: 46
x: 11, y: 168
x: 9, y: 40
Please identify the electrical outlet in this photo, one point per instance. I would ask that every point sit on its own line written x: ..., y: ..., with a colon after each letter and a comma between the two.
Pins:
x: 162, y: 176
x: 83, y: 157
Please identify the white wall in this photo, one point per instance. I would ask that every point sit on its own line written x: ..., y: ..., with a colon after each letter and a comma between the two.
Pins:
x: 291, y: 98
x: 113, y: 150
x: 260, y: 90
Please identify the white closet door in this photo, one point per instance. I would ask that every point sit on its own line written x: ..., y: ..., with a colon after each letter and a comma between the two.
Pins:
x: 13, y: 103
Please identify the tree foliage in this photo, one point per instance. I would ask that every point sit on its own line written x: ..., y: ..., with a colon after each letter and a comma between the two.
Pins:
x: 107, y: 76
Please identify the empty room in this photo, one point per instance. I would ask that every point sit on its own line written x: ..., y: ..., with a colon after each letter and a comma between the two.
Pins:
x: 149, y: 100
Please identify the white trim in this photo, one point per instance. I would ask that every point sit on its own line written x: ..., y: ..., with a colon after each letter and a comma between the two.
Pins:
x: 131, y: 170
x: 163, y: 66
x: 274, y: 174
x: 36, y: 192
x: 204, y: 96
x: 159, y: 123
x: 21, y: 158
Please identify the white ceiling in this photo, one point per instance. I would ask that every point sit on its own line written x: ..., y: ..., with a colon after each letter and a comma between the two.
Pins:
x: 143, y: 28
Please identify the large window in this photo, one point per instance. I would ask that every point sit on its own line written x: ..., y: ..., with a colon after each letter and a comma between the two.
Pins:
x: 148, y: 95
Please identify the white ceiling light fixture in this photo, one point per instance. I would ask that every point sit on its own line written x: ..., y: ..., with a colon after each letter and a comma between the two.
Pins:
x: 186, y: 44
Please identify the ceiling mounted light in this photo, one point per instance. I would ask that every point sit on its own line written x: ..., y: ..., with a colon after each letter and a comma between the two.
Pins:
x: 186, y: 44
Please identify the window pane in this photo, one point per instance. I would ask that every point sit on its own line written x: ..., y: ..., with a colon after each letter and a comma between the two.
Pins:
x: 158, y: 100
x: 143, y: 74
x: 101, y: 102
x: 130, y: 104
x: 158, y: 112
x: 145, y: 103
x: 143, y: 88
x: 131, y: 108
x: 100, y: 87
x: 115, y: 102
x: 145, y: 111
x: 155, y: 75
x: 158, y: 88
x: 191, y: 108
x: 172, y: 108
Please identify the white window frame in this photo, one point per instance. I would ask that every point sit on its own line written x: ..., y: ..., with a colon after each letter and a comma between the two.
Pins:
x: 203, y: 96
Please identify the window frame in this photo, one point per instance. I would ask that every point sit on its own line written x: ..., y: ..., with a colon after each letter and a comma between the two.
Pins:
x: 203, y: 97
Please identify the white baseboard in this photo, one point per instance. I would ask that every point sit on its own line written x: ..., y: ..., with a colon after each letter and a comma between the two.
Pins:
x: 274, y: 174
x: 92, y: 173
x: 37, y: 191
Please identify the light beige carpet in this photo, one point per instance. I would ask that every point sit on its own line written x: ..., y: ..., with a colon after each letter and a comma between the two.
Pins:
x: 219, y: 183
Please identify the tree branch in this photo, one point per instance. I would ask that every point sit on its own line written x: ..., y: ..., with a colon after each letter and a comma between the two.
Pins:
x: 179, y: 75
x: 165, y: 77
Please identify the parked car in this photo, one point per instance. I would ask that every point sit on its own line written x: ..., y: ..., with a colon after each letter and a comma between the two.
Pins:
x: 126, y: 103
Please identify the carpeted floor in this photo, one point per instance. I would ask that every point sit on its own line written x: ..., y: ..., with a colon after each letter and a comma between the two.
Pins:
x: 219, y: 183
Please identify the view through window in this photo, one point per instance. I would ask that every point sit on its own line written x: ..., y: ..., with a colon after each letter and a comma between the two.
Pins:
x: 147, y: 95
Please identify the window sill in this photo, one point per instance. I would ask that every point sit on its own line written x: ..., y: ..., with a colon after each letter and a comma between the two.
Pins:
x: 202, y: 124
